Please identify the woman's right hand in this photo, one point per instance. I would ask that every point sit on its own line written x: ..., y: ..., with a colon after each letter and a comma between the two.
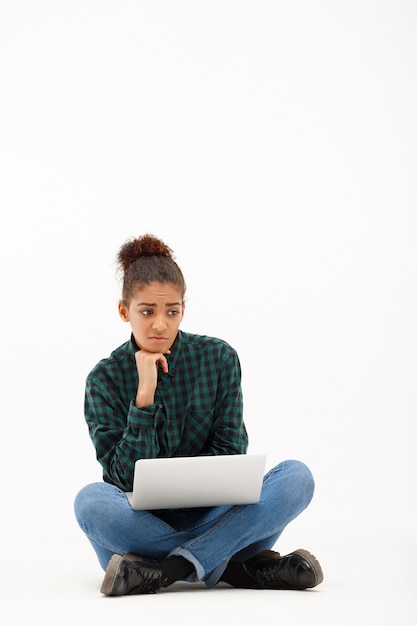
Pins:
x: 147, y: 365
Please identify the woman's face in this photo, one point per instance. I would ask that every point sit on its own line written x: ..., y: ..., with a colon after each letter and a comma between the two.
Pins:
x: 154, y: 313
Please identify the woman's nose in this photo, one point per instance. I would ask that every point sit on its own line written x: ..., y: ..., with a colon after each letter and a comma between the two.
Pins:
x: 159, y: 322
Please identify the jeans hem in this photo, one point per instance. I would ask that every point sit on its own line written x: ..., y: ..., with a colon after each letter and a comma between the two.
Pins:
x: 186, y: 554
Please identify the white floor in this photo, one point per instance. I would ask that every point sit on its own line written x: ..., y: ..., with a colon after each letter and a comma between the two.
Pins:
x: 370, y: 577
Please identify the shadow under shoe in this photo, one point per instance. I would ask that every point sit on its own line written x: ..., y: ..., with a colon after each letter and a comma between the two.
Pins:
x: 130, y: 574
x: 297, y: 570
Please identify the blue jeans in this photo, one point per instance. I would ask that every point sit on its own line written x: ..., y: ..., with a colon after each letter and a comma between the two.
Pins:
x: 207, y: 537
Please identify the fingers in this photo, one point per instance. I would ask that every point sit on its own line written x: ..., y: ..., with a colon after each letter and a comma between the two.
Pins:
x: 146, y: 359
x: 163, y: 363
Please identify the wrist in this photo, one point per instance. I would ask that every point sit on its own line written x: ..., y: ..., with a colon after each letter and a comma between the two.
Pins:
x: 144, y: 398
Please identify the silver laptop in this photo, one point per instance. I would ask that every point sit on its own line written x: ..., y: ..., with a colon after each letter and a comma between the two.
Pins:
x: 198, y: 481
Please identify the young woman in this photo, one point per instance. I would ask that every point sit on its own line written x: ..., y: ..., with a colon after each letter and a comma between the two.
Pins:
x: 167, y: 393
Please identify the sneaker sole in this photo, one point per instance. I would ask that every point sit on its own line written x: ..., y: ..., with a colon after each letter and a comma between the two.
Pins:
x: 315, y: 565
x: 111, y: 574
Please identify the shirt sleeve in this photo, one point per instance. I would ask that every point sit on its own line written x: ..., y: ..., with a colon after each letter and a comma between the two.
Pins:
x: 229, y: 435
x: 119, y: 439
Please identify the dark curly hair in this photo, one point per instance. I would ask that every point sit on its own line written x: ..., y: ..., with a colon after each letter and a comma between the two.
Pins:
x: 145, y: 260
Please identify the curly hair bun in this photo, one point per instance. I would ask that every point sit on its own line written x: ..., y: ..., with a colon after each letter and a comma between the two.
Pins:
x: 146, y: 245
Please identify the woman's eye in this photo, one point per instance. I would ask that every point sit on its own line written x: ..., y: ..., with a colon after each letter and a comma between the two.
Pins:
x: 147, y: 312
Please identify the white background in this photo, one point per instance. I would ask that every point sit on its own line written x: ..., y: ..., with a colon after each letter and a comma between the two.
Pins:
x: 272, y: 145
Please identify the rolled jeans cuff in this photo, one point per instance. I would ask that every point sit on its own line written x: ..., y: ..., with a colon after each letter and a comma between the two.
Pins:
x: 199, y: 569
x: 200, y: 573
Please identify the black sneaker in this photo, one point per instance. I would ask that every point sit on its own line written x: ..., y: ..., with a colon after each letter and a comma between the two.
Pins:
x: 297, y: 570
x: 130, y: 574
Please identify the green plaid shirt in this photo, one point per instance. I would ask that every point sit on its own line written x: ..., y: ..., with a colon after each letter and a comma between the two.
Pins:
x: 197, y: 409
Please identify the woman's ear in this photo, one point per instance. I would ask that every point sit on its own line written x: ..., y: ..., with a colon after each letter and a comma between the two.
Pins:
x: 123, y: 311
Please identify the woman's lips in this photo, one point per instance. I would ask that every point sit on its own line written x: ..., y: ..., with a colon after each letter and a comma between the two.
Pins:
x: 159, y: 339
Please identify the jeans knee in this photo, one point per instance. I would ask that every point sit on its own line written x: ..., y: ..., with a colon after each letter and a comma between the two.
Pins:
x: 303, y: 479
x: 84, y: 503
x: 307, y: 480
